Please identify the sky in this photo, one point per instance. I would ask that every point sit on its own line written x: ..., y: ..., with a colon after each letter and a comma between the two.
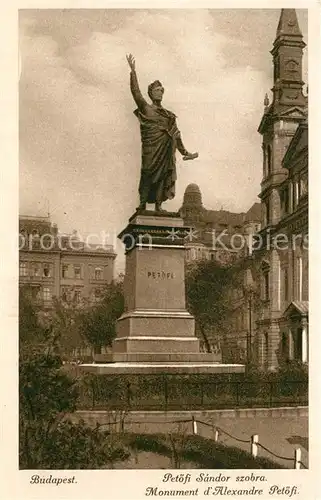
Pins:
x: 79, y: 139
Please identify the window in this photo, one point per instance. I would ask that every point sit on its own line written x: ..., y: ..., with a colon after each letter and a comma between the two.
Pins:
x: 77, y: 296
x: 304, y: 184
x: 97, y: 294
x: 284, y: 346
x: 269, y: 159
x: 46, y: 294
x: 98, y: 273
x: 267, y: 211
x: 299, y: 278
x: 266, y: 285
x: 298, y: 344
x: 284, y: 197
x: 295, y: 193
x: 46, y: 271
x: 265, y: 349
x: 77, y: 272
x: 264, y: 160
x: 66, y: 293
x: 265, y: 280
x: 285, y: 285
x: 36, y: 269
x: 23, y: 271
x: 35, y: 292
x: 64, y: 271
x: 276, y: 69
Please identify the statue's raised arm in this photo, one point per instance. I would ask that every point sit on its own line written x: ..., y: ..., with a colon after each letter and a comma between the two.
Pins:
x: 160, y: 139
x: 134, y: 86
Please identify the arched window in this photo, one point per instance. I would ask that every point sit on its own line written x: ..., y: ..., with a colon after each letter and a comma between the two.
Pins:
x: 269, y: 159
x: 96, y: 294
x: 285, y: 284
x: 265, y: 280
x: 46, y: 271
x: 285, y: 346
x: 35, y: 233
x: 267, y: 207
x: 264, y: 160
x: 298, y: 278
x: 265, y: 349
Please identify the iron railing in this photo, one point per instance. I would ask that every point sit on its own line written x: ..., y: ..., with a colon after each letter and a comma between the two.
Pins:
x: 171, y: 392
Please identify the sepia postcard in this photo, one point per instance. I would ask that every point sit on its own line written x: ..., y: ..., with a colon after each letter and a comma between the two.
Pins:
x: 159, y: 277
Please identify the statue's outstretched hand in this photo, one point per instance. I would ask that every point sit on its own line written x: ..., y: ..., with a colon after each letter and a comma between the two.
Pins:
x: 131, y: 61
x: 190, y: 156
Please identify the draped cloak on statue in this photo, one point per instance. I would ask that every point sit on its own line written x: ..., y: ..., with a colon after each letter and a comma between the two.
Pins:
x: 160, y: 138
x: 159, y: 134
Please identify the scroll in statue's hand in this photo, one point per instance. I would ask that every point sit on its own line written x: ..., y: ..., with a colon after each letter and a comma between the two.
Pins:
x: 190, y: 156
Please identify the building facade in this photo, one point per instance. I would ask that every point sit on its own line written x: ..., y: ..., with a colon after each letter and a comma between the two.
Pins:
x: 269, y: 316
x: 282, y: 256
x: 61, y: 266
x: 224, y: 237
x: 271, y: 304
x: 218, y: 235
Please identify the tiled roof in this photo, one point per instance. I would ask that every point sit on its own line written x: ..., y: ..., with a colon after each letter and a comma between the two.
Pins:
x: 225, y: 217
x: 254, y: 214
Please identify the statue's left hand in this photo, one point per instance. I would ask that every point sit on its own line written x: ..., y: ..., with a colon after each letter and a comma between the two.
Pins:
x: 190, y: 156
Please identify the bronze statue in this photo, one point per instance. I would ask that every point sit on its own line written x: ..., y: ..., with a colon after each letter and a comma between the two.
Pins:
x: 160, y: 139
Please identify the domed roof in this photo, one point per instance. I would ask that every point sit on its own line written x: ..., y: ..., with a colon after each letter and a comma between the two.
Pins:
x: 193, y: 195
x: 192, y: 188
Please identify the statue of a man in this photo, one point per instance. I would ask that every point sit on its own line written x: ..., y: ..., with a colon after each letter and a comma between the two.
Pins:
x: 160, y: 139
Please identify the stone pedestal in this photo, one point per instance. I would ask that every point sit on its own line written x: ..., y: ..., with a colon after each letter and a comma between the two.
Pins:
x: 155, y: 327
x: 156, y: 333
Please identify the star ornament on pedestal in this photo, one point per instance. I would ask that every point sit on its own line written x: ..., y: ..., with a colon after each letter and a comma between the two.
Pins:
x: 173, y: 234
x: 191, y: 234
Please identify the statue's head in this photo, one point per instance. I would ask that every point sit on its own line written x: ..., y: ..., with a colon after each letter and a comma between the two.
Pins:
x: 156, y: 91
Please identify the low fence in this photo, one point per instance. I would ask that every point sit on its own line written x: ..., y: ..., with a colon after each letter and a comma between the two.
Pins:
x: 254, y: 443
x: 175, y: 392
x: 194, y: 425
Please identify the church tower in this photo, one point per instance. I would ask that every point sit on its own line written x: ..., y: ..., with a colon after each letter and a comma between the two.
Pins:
x: 282, y: 116
x: 279, y: 123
